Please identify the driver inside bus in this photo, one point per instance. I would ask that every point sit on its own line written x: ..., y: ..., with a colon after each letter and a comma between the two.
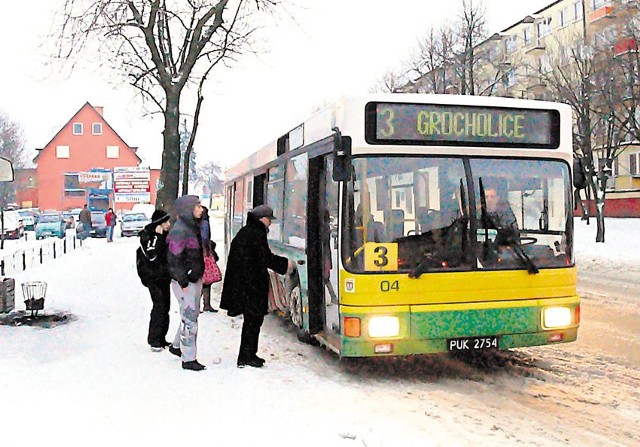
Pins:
x: 500, y: 216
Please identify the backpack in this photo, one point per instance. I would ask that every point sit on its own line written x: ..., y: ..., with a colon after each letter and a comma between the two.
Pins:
x: 143, y: 266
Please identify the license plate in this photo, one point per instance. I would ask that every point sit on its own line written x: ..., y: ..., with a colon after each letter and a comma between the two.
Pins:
x: 473, y: 343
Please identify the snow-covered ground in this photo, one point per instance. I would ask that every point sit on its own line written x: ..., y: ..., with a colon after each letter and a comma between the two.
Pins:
x: 94, y: 381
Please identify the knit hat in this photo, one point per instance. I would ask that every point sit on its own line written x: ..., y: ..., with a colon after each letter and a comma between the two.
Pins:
x: 158, y: 217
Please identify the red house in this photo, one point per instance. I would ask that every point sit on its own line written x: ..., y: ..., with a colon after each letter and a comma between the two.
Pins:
x: 76, y: 166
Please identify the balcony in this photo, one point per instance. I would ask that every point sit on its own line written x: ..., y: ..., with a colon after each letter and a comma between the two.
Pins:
x: 535, y: 48
x: 626, y: 45
x: 600, y: 14
x: 536, y: 84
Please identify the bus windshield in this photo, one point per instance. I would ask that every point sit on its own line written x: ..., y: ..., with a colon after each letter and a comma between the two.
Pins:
x: 432, y: 214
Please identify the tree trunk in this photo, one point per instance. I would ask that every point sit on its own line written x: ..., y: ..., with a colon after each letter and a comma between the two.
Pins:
x: 170, y: 173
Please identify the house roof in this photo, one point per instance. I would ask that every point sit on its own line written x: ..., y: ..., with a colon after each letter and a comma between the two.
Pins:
x: 87, y: 104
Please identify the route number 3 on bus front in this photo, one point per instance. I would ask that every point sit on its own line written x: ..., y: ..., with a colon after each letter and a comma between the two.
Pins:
x: 380, y: 257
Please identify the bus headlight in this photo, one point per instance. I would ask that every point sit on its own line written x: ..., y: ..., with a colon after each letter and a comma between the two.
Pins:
x: 555, y: 317
x: 384, y: 327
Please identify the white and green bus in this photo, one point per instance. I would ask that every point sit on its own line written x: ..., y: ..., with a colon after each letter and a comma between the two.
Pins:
x: 385, y: 202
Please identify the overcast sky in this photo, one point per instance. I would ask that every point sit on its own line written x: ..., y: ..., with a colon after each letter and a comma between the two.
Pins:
x: 336, y: 47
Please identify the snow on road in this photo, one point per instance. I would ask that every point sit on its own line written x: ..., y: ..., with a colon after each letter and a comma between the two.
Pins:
x: 95, y: 382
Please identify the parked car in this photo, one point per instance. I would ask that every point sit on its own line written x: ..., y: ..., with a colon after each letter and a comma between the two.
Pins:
x: 50, y: 224
x: 98, y: 225
x: 28, y: 219
x: 69, y: 219
x: 132, y: 223
x: 13, y: 226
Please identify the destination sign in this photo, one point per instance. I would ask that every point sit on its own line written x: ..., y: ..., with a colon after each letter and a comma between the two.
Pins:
x: 458, y: 125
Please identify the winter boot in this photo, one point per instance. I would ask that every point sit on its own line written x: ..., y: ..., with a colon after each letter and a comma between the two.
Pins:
x: 175, y: 351
x: 193, y: 365
x: 206, y: 296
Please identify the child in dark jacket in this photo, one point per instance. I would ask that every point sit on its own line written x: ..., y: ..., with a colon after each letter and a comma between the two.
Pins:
x: 151, y: 263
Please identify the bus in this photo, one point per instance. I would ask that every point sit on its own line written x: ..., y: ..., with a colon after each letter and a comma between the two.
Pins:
x: 387, y: 205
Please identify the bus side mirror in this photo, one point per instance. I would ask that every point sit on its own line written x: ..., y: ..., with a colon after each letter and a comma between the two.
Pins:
x: 342, y: 169
x: 6, y: 170
x: 579, y: 177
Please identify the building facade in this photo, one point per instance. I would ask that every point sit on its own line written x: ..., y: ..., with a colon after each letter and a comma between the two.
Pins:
x: 77, y: 166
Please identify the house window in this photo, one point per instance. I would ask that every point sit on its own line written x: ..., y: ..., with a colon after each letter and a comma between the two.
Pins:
x: 563, y: 17
x: 510, y: 44
x: 544, y: 28
x: 598, y: 3
x: 578, y: 13
x: 544, y: 65
x: 634, y: 162
x: 113, y: 151
x: 77, y: 128
x: 526, y: 36
x: 510, y: 78
x: 96, y: 129
x: 62, y: 151
x: 72, y: 186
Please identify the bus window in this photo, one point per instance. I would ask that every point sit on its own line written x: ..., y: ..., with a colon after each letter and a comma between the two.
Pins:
x: 424, y: 205
x: 295, y: 198
x: 412, y: 202
x: 275, y: 193
x: 535, y: 195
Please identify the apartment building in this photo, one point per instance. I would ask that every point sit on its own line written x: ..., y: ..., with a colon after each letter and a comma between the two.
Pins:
x: 519, y: 60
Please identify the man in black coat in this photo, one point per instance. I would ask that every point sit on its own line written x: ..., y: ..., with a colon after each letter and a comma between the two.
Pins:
x: 246, y: 283
x: 153, y: 270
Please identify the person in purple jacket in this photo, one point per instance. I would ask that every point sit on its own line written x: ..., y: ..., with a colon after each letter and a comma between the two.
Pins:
x: 186, y: 267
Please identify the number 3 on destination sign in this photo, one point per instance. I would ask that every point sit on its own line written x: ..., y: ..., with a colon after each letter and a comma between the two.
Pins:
x: 380, y: 257
x: 387, y: 117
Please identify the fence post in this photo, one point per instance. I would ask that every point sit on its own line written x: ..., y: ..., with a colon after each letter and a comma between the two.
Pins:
x: 64, y: 245
x: 74, y: 242
x: 41, y: 254
x: 54, y: 249
x: 2, y: 267
x: 24, y: 261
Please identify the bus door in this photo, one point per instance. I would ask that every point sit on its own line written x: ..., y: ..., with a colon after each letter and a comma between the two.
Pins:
x: 323, y: 241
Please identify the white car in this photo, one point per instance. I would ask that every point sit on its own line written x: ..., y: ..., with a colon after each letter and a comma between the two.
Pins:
x: 132, y: 223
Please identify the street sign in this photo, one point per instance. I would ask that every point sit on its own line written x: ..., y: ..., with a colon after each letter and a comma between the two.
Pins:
x: 132, y: 184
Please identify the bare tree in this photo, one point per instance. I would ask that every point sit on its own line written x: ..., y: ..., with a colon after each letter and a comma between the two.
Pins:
x: 391, y: 82
x: 12, y: 148
x: 470, y: 30
x: 430, y: 63
x: 452, y: 59
x: 210, y: 175
x: 187, y: 158
x: 163, y: 48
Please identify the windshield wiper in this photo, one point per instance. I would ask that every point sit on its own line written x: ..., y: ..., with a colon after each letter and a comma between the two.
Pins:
x: 523, y: 257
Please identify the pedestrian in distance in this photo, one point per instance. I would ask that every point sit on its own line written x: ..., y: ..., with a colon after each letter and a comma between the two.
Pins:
x: 153, y: 270
x: 85, y: 221
x: 186, y: 267
x: 110, y: 220
x: 246, y: 284
x: 208, y: 248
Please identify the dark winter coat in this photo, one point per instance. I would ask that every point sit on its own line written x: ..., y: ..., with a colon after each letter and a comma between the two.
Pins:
x: 186, y: 263
x: 151, y: 257
x: 85, y: 217
x: 504, y: 220
x: 246, y: 280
